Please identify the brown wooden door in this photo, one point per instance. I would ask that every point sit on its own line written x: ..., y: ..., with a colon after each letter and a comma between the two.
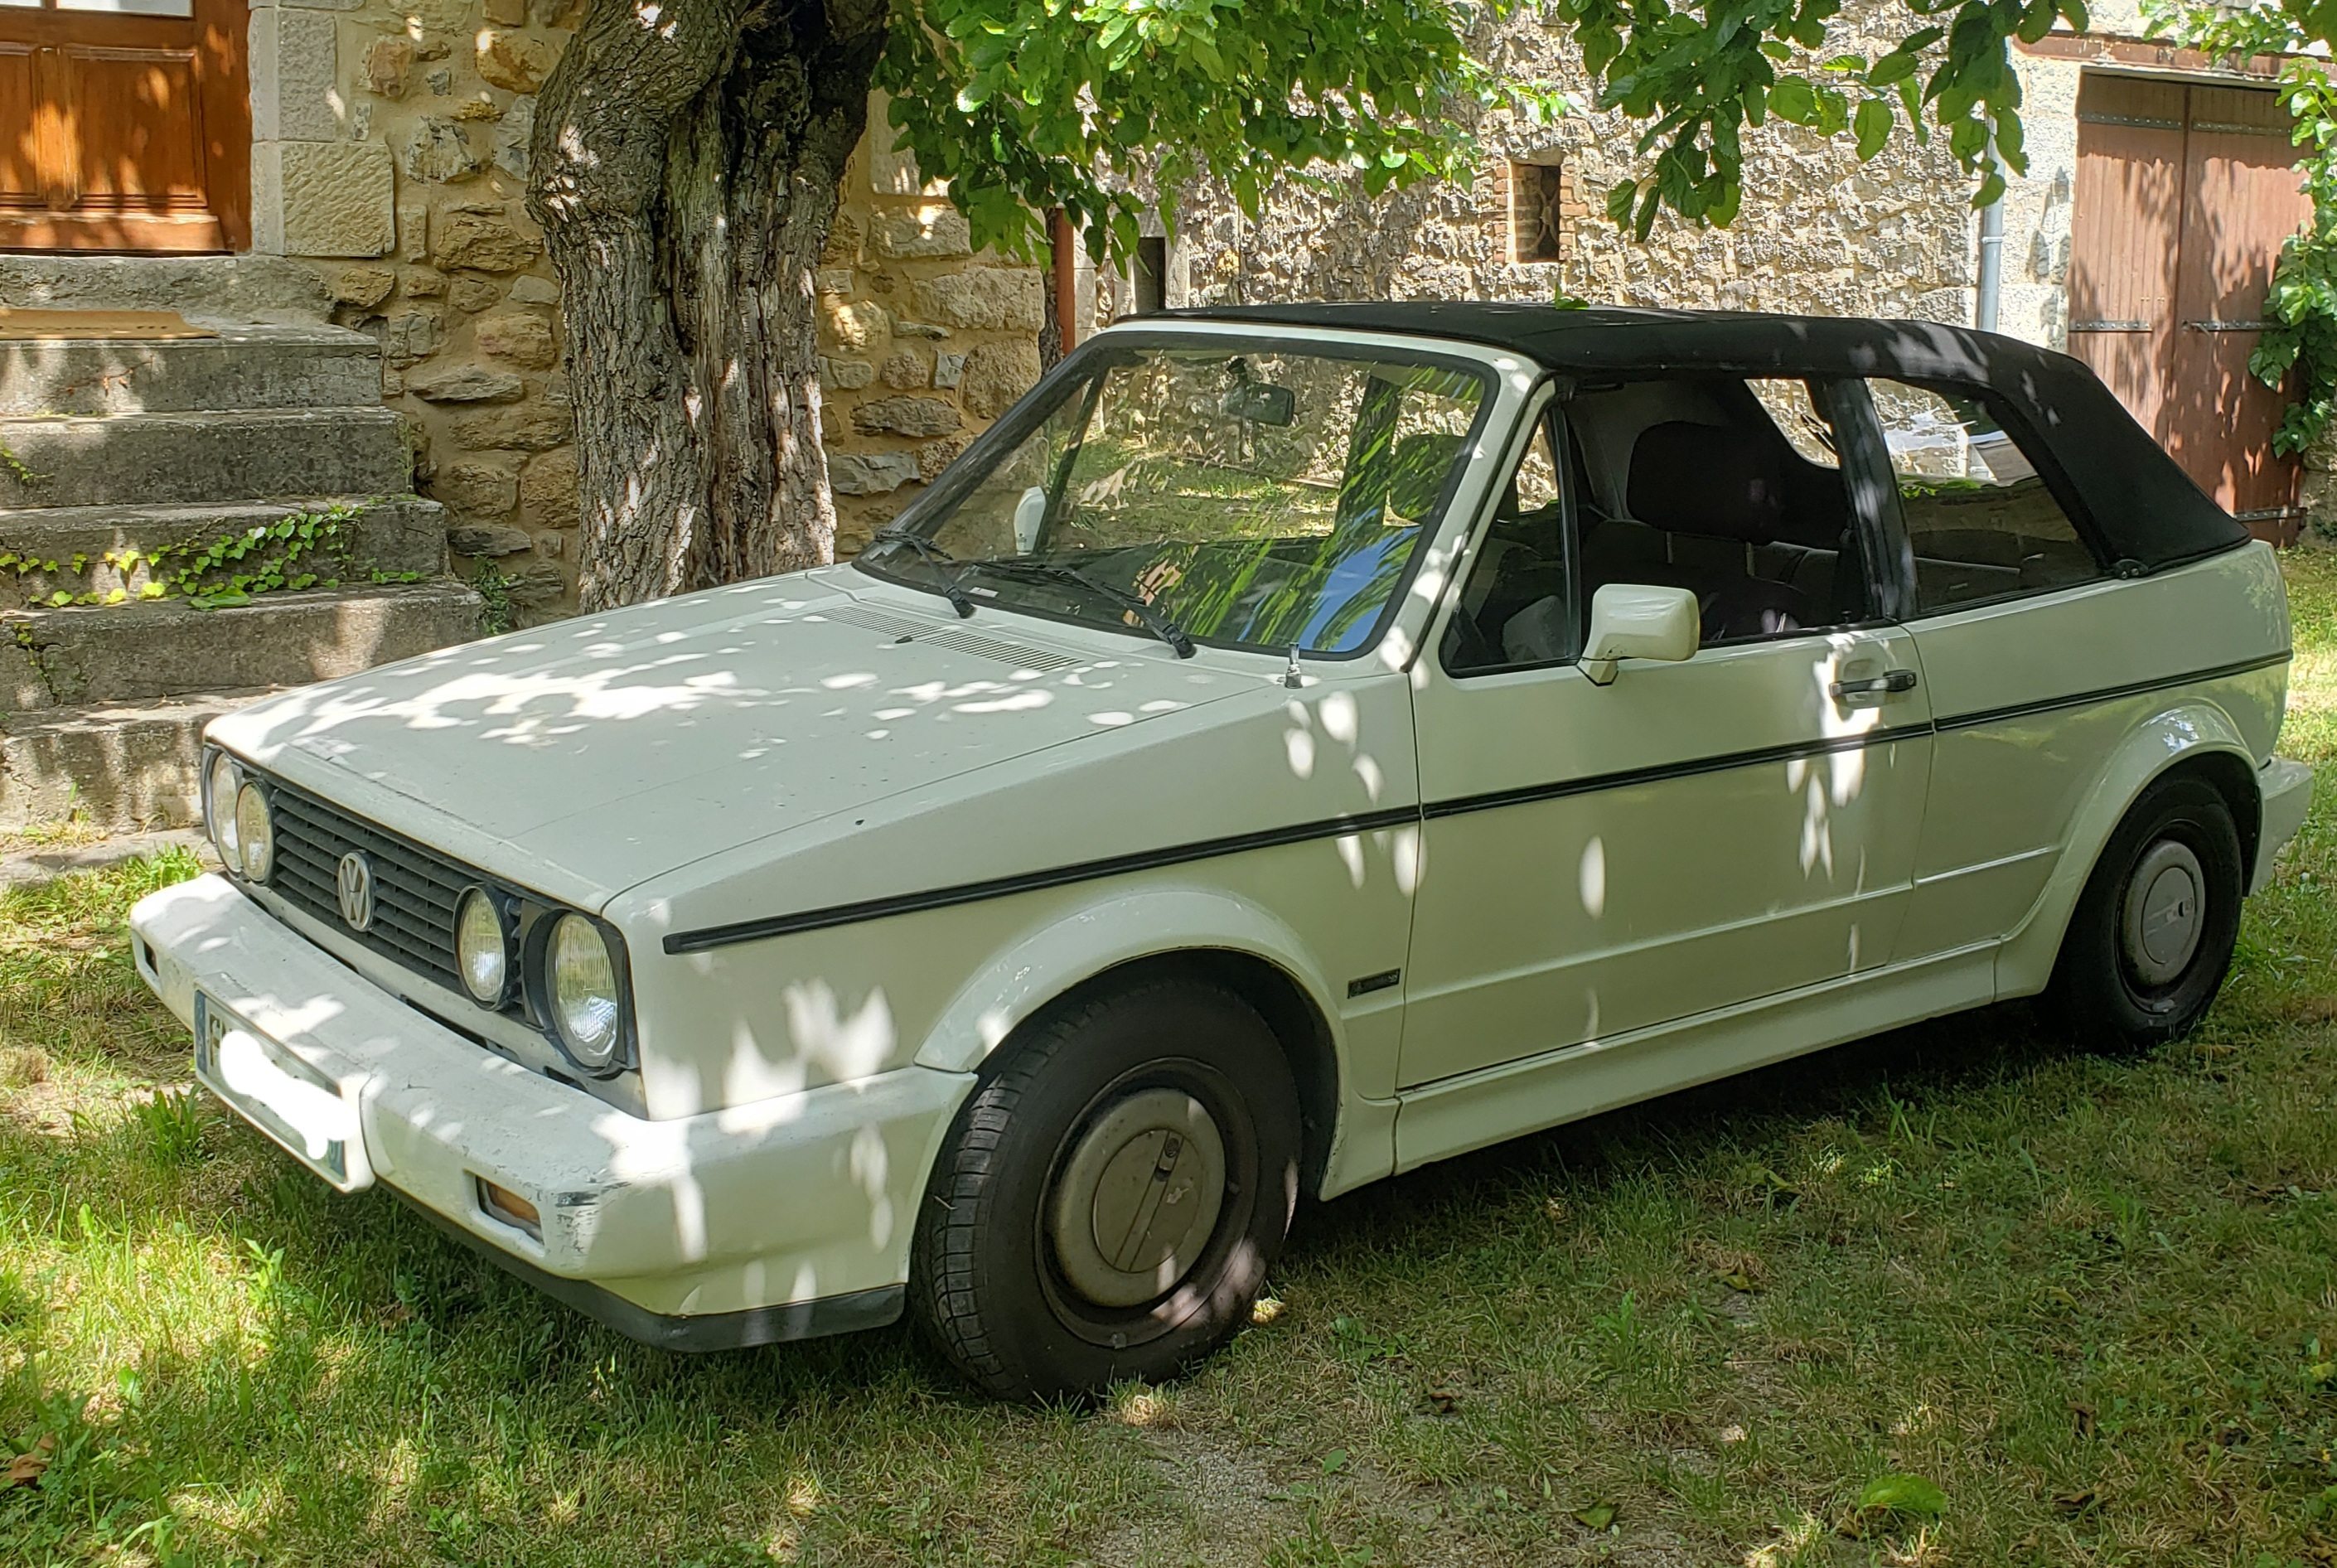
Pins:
x: 2184, y: 194
x: 125, y: 125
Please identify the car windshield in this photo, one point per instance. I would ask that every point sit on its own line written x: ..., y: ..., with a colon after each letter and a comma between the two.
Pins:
x: 1244, y: 494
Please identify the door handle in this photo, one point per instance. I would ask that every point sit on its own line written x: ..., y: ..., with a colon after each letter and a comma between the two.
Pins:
x: 1873, y: 687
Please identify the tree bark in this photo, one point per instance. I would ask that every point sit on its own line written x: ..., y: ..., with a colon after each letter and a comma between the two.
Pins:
x: 687, y: 159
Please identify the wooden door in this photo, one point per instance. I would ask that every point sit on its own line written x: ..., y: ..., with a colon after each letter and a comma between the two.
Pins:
x: 2184, y: 194
x: 125, y: 125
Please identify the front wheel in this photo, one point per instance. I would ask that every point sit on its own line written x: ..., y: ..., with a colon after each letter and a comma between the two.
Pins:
x: 2152, y: 936
x: 1109, y: 1198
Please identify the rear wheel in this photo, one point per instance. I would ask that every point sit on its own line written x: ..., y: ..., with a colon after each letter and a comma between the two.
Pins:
x: 1109, y: 1197
x: 2151, y: 938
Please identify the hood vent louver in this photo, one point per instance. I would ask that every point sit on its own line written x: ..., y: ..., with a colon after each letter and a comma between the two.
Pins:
x: 1019, y: 655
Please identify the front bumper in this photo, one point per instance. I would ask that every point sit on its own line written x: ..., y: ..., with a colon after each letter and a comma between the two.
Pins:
x: 764, y: 1221
x: 2285, y: 787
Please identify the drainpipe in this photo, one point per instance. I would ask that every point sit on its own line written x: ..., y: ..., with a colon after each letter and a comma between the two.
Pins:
x: 1991, y: 253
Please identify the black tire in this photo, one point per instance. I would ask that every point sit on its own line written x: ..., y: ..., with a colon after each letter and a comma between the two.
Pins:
x: 2108, y: 991
x: 988, y: 1280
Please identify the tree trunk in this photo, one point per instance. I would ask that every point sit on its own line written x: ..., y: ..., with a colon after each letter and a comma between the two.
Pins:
x: 686, y: 158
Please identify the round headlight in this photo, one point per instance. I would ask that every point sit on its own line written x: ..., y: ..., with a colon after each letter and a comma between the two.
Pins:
x: 219, y: 806
x: 583, y: 988
x: 480, y: 948
x: 255, y: 833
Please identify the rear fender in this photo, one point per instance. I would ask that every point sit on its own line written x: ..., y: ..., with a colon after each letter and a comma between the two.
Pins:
x: 2183, y: 732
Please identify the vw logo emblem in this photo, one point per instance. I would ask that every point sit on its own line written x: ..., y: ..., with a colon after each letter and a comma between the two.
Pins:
x: 354, y: 882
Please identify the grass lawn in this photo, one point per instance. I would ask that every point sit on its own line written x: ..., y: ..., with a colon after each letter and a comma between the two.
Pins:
x: 2093, y: 1303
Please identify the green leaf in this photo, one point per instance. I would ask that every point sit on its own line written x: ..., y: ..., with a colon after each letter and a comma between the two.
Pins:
x: 1896, y: 1491
x: 1334, y: 1461
x: 1793, y: 100
x: 1598, y: 1516
x: 1873, y: 123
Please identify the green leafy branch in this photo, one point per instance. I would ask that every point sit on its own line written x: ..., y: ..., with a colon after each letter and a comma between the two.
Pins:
x: 300, y: 550
x: 2298, y: 347
x: 1701, y: 77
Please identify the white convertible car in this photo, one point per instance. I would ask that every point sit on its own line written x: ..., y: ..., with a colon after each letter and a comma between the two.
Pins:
x: 1293, y: 745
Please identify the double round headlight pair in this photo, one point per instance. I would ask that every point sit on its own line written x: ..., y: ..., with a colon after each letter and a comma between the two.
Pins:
x: 580, y: 993
x: 242, y: 825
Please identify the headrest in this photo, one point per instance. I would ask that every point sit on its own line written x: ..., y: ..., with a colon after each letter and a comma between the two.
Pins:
x: 1417, y: 468
x: 1709, y: 479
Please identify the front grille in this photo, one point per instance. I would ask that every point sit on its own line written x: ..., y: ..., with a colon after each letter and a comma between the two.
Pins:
x: 415, y: 890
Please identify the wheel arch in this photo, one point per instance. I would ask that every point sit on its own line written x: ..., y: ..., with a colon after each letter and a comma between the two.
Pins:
x: 2195, y: 738
x: 1192, y: 933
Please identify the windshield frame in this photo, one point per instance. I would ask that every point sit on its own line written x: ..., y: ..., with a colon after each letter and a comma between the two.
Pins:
x: 1498, y: 371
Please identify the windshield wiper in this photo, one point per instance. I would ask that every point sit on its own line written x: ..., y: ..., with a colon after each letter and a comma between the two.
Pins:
x: 1155, y: 621
x: 933, y: 555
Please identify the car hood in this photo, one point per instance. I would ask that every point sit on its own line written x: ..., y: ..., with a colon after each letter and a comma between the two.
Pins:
x: 582, y: 758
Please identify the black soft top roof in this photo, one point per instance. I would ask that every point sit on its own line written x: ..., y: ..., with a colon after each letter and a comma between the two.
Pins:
x: 2139, y: 504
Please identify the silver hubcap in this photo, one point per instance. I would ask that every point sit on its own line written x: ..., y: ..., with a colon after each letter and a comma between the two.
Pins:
x: 1138, y: 1197
x: 2165, y: 913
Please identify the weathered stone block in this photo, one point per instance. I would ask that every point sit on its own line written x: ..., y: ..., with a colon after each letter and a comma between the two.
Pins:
x: 477, y: 489
x: 463, y: 383
x: 922, y: 232
x: 408, y: 335
x: 438, y: 151
x: 935, y: 455
x: 423, y: 283
x: 521, y: 337
x: 294, y: 90
x: 854, y: 324
x: 473, y: 295
x: 513, y: 61
x: 985, y: 298
x: 507, y: 13
x: 514, y: 137
x: 869, y: 472
x: 907, y: 416
x: 845, y: 375
x: 547, y: 488
x: 324, y: 197
x: 995, y: 375
x: 480, y: 239
x: 363, y: 286
x: 483, y: 539
x: 530, y: 289
x: 949, y: 369
x: 534, y: 427
x: 906, y: 370
x: 386, y: 63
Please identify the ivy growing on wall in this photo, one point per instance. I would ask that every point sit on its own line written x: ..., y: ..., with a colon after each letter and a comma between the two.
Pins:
x: 300, y: 550
x: 2299, y: 349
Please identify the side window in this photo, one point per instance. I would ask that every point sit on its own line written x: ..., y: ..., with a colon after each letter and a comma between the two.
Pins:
x: 1981, y: 522
x: 1516, y: 604
x: 1730, y: 489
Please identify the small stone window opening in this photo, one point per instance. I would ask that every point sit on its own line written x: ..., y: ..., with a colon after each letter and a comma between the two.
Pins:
x: 1537, y: 211
x: 1151, y: 274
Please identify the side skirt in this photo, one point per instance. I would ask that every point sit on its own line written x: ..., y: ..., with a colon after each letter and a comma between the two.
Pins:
x: 1455, y: 1115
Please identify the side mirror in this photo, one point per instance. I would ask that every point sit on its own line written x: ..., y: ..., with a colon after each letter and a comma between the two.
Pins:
x: 1030, y: 516
x: 1632, y: 620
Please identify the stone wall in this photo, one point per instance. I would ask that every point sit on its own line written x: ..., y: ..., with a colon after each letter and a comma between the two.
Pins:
x: 922, y: 342
x: 1818, y: 231
x: 392, y: 143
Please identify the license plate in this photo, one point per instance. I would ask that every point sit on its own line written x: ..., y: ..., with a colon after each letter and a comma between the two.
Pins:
x: 282, y: 1095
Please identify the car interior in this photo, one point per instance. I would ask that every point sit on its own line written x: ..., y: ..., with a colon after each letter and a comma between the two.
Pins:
x: 1678, y: 484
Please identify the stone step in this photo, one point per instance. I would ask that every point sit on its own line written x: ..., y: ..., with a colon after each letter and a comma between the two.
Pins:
x: 243, y: 366
x: 204, y: 289
x: 92, y: 546
x: 149, y: 459
x: 114, y: 765
x: 69, y: 658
